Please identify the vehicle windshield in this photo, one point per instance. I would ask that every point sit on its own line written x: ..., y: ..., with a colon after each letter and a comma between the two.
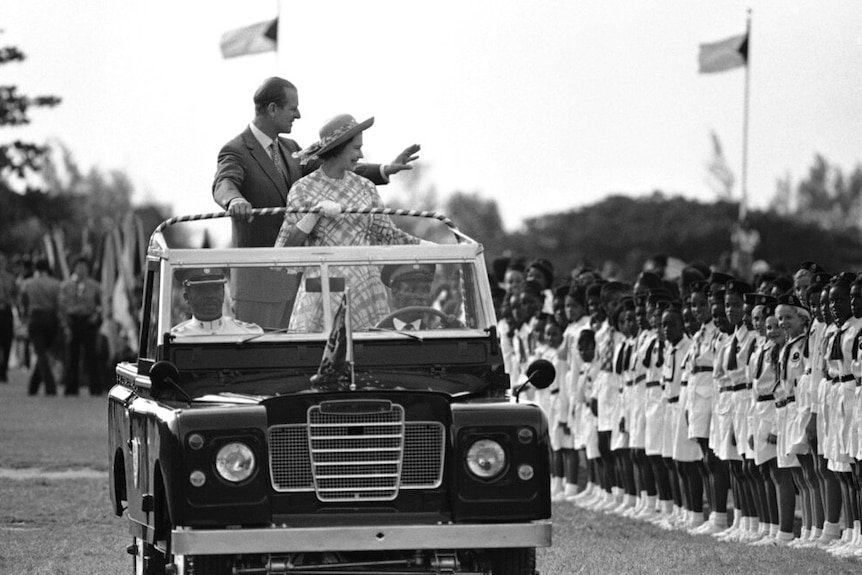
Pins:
x: 262, y: 300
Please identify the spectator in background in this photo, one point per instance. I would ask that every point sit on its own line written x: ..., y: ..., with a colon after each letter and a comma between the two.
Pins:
x: 782, y: 285
x: 22, y: 267
x: 541, y: 271
x: 81, y: 313
x: 656, y: 265
x: 584, y: 277
x: 40, y: 300
x: 513, y: 280
x: 8, y: 300
x: 498, y: 271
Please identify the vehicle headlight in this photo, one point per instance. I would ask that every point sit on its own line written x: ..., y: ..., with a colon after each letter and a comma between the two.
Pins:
x: 235, y: 462
x: 486, y: 459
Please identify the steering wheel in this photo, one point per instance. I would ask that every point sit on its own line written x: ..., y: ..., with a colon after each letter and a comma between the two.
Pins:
x: 420, y: 310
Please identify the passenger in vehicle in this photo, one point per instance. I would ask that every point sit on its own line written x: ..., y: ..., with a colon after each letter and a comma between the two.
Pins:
x: 411, y: 288
x: 204, y: 292
x: 335, y: 186
x: 256, y: 170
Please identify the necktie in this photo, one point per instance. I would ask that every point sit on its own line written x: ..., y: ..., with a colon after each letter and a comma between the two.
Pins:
x: 276, y: 159
x: 760, y: 362
x: 627, y: 364
x: 608, y: 359
x: 734, y: 351
x: 837, y: 353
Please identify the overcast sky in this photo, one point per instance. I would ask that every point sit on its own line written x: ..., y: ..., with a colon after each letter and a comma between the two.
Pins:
x: 543, y: 105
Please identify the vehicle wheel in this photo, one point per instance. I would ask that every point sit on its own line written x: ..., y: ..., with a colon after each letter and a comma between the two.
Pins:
x: 513, y: 561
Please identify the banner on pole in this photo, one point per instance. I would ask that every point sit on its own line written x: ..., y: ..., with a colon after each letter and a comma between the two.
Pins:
x: 254, y: 39
x: 723, y: 55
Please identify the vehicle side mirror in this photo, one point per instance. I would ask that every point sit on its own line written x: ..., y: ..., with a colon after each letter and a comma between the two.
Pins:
x: 540, y: 374
x: 163, y: 376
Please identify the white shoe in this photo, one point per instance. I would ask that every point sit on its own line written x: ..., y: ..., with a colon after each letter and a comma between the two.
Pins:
x: 725, y: 532
x: 570, y: 491
x: 700, y: 528
x: 771, y: 542
x: 588, y: 491
x: 623, y: 508
x: 805, y: 543
x: 630, y: 512
x: 645, y: 514
x: 752, y: 536
x: 600, y: 498
x: 709, y: 528
x: 591, y: 499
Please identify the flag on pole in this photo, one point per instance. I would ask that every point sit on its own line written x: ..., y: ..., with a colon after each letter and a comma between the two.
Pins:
x: 254, y: 39
x: 723, y: 55
x: 336, y: 365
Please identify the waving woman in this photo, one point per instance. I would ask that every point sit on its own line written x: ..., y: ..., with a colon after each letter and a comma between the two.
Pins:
x: 333, y: 187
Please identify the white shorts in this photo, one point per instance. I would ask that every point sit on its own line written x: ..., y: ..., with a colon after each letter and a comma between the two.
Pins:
x: 725, y: 448
x: 654, y: 414
x: 700, y: 413
x: 762, y: 425
x: 783, y: 419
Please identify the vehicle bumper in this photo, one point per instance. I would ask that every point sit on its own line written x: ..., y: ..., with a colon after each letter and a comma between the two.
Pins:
x: 359, y: 538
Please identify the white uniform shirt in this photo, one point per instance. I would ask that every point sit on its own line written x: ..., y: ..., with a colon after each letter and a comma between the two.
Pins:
x: 220, y: 326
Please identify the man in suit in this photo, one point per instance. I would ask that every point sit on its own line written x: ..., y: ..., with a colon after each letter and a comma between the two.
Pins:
x: 256, y: 170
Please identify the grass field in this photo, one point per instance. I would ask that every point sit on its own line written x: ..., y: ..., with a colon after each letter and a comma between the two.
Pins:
x: 51, y: 524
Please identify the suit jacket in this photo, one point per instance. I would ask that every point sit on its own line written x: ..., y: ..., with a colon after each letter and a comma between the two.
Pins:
x: 246, y: 170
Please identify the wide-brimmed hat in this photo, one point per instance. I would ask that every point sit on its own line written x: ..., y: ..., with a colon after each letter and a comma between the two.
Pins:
x: 340, y: 129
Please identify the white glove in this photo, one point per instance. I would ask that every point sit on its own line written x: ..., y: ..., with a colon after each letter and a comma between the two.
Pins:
x: 329, y: 208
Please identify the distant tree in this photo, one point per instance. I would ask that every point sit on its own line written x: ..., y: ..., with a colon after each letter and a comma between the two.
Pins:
x: 479, y: 218
x: 784, y: 199
x: 19, y: 159
x: 96, y: 201
x: 825, y: 196
x: 625, y: 231
x: 22, y: 219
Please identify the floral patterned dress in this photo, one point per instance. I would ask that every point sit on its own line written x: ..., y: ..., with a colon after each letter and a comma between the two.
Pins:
x: 367, y: 293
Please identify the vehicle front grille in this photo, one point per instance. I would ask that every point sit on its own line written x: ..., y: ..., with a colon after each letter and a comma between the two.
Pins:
x: 356, y: 456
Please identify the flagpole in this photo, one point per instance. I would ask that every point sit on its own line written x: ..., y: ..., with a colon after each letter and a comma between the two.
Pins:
x: 743, y: 202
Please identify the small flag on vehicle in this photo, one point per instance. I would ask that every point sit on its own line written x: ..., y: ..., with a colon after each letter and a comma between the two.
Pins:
x: 336, y: 365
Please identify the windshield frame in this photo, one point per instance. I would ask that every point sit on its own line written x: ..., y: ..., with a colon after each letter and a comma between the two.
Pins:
x: 465, y: 254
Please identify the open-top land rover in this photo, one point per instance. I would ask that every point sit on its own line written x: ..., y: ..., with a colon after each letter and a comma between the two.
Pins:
x: 235, y: 449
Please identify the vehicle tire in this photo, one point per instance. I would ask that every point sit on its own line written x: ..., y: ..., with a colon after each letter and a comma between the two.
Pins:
x: 513, y: 561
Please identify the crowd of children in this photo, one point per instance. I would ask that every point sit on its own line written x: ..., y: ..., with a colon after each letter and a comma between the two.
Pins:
x: 672, y: 394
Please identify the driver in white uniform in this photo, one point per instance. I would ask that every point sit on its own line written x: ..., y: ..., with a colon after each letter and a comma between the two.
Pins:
x: 204, y: 292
